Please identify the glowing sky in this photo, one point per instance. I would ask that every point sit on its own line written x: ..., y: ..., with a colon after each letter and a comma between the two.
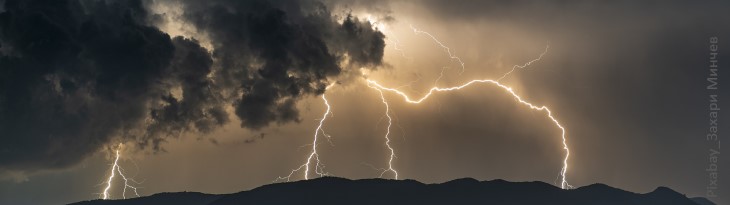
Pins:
x: 626, y: 79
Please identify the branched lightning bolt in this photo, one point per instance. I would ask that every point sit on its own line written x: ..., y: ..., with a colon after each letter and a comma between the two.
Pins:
x: 116, y: 169
x: 524, y: 65
x: 436, y: 82
x: 375, y: 24
x: 373, y: 84
x: 313, y: 155
x: 564, y: 184
x: 387, y: 135
x: 396, y: 46
x: 447, y: 49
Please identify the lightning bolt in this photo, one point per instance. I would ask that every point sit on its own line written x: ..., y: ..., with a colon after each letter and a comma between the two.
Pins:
x: 373, y: 84
x: 313, y: 155
x: 523, y: 65
x: 447, y: 49
x: 396, y: 46
x: 563, y: 172
x: 387, y: 134
x: 116, y: 169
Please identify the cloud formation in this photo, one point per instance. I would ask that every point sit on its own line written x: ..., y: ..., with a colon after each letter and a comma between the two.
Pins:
x: 273, y: 53
x: 78, y: 75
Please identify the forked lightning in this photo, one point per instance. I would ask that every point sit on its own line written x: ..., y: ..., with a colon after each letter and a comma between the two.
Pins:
x: 564, y: 183
x: 387, y: 136
x: 375, y: 85
x: 313, y: 155
x: 116, y: 169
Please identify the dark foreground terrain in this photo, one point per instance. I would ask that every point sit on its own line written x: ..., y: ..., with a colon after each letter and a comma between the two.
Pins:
x: 330, y: 190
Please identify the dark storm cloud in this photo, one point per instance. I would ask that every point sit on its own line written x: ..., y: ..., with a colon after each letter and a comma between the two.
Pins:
x: 274, y: 52
x: 201, y: 105
x: 77, y: 75
x: 74, y: 74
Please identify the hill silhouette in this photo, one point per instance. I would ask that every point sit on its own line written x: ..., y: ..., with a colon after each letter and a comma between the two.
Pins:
x: 332, y: 190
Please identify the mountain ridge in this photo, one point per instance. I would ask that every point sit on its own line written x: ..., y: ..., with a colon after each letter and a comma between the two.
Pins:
x: 335, y: 190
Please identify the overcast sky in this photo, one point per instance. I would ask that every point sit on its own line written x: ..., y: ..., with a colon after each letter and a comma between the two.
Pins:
x: 224, y: 96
